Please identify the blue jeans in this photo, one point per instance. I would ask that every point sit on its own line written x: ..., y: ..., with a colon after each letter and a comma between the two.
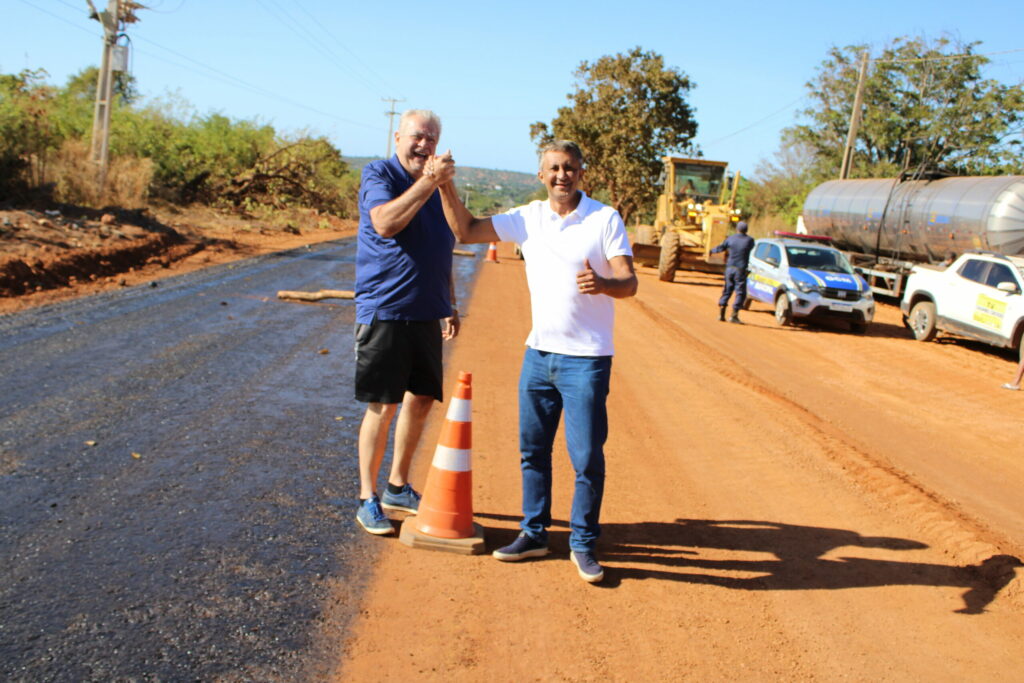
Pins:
x: 549, y: 383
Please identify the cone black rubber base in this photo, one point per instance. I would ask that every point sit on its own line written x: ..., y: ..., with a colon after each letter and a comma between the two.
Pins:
x: 414, y: 538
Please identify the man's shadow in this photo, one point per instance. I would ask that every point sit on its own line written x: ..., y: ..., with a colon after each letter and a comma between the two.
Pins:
x: 675, y: 551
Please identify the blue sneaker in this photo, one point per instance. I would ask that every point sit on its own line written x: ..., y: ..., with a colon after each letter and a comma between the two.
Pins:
x: 524, y: 546
x: 587, y: 565
x: 372, y: 518
x: 408, y: 500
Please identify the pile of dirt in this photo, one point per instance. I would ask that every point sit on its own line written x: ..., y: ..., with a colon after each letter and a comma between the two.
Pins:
x: 49, y: 253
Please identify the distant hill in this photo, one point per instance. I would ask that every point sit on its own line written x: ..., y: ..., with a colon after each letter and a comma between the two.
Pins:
x: 488, y: 191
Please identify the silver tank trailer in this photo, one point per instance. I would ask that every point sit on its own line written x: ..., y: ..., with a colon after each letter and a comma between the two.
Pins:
x: 924, y: 219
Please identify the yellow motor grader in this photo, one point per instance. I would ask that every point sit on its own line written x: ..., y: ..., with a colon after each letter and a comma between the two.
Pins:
x: 696, y: 211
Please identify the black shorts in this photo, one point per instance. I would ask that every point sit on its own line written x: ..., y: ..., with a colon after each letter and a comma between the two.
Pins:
x: 395, y: 356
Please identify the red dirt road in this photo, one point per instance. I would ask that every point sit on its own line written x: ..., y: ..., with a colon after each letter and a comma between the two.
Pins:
x: 783, y: 503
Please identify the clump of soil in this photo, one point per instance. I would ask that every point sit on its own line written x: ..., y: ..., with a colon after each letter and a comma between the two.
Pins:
x: 56, y: 252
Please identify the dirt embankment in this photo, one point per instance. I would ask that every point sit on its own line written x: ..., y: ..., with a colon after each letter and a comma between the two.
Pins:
x: 58, y: 252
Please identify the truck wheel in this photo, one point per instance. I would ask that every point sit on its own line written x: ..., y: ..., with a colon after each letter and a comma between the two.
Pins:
x: 746, y: 302
x: 783, y: 310
x: 669, y: 260
x: 922, y: 320
x: 644, y: 234
x: 858, y: 327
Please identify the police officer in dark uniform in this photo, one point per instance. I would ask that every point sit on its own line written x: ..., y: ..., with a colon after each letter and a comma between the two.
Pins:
x: 739, y: 246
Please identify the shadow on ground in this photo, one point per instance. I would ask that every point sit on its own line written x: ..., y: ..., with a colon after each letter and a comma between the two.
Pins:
x: 685, y: 550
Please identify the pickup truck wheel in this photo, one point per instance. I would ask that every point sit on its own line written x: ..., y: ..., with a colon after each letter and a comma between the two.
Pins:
x: 783, y: 310
x: 746, y: 302
x: 922, y: 320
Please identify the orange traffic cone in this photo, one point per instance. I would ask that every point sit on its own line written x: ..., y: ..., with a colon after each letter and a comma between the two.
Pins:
x: 492, y: 252
x: 445, y: 518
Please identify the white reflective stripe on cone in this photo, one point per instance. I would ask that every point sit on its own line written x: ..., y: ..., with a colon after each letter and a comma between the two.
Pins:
x: 452, y: 459
x: 460, y: 410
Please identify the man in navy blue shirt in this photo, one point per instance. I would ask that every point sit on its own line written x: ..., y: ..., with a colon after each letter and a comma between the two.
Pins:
x: 739, y: 245
x: 404, y: 307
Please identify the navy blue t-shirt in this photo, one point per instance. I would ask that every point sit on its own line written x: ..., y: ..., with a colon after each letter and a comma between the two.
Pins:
x: 739, y: 247
x: 405, y: 277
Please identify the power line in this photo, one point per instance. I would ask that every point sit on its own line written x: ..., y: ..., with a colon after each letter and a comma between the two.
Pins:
x: 323, y: 27
x: 223, y: 77
x: 151, y: 8
x: 215, y: 74
x: 313, y: 41
x: 60, y: 18
x: 755, y: 123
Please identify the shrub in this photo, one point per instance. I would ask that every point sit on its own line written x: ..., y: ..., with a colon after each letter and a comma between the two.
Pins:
x: 75, y: 178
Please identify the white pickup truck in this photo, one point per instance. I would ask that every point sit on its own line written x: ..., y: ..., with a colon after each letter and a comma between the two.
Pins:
x: 980, y: 296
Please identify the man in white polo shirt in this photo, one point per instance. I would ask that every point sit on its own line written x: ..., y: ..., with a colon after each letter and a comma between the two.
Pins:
x: 578, y: 260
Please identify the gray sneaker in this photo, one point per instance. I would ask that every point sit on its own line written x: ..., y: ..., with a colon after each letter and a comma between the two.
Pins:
x: 372, y: 518
x: 587, y: 565
x: 408, y: 500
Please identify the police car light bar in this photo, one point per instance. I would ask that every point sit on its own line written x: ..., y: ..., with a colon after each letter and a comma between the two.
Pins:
x: 797, y: 236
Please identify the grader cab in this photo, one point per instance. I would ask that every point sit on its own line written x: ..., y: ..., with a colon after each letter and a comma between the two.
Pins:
x: 696, y: 210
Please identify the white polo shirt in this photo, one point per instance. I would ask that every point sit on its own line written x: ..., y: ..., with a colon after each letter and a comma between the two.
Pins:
x: 564, y: 320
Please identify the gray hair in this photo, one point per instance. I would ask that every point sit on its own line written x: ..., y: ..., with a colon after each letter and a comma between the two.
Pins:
x: 566, y: 146
x: 425, y: 114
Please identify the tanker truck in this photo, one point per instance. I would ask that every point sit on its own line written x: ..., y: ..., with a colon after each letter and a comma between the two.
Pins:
x: 886, y: 226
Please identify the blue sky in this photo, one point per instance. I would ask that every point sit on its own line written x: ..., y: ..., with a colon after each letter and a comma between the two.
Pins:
x: 488, y: 69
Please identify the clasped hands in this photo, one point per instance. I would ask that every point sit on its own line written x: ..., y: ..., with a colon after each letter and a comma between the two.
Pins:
x: 440, y: 169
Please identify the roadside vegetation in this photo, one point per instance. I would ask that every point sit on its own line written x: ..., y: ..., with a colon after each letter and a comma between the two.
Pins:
x: 927, y: 109
x: 159, y: 150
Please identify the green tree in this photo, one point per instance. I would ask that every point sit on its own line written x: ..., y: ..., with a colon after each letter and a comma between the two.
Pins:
x: 926, y: 104
x: 76, y: 102
x: 214, y: 159
x: 627, y: 111
x: 27, y: 133
x: 781, y: 184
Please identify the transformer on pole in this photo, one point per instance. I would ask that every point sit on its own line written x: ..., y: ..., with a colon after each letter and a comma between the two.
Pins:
x: 104, y: 91
x: 114, y: 59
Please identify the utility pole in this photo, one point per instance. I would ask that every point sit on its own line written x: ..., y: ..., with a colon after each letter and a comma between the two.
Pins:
x: 851, y: 137
x: 391, y: 121
x: 114, y: 59
x: 104, y: 88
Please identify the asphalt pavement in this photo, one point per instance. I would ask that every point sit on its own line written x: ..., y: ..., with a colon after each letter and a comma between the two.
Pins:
x: 177, y: 469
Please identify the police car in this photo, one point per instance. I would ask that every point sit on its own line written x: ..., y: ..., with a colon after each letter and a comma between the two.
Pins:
x: 803, y: 277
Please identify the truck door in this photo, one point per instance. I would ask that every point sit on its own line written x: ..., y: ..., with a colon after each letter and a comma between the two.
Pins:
x: 960, y: 301
x: 762, y: 279
x: 992, y: 305
x: 977, y: 303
